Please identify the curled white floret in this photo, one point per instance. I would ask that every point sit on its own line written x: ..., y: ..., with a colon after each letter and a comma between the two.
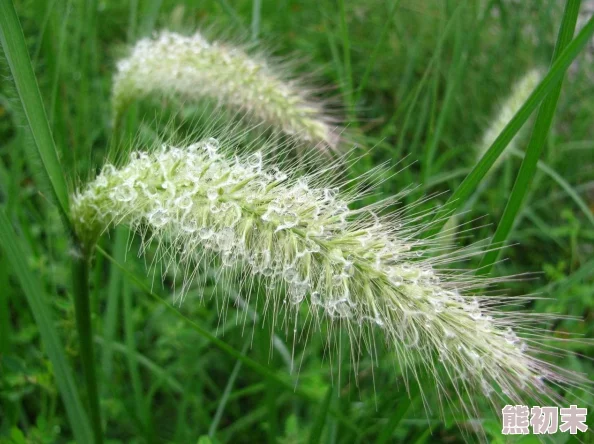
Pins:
x: 314, y: 253
x: 194, y: 68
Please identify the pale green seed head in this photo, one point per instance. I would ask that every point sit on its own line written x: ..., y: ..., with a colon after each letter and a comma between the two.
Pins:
x: 194, y: 69
x: 312, y: 252
x: 517, y: 97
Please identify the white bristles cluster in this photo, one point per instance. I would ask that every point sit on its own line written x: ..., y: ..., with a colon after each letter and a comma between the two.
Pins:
x: 194, y: 68
x: 299, y: 238
x: 518, y: 96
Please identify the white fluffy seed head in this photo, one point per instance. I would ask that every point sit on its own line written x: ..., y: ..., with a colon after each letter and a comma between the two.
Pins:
x: 518, y: 96
x: 312, y: 252
x: 194, y: 68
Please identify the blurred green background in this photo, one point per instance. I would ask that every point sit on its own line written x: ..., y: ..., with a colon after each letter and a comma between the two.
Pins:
x: 415, y: 77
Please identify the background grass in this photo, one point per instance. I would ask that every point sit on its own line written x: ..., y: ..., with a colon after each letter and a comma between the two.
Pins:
x: 420, y: 81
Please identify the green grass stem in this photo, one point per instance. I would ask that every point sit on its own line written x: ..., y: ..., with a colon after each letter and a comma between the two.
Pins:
x: 82, y: 306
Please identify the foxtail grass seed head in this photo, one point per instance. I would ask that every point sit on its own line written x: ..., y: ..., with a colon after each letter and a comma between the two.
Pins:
x: 302, y: 241
x: 519, y: 94
x: 194, y: 68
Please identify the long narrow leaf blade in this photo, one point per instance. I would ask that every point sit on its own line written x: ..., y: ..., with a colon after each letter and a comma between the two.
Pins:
x: 469, y: 184
x: 539, y: 136
x: 15, y: 49
x: 16, y: 255
x: 318, y: 426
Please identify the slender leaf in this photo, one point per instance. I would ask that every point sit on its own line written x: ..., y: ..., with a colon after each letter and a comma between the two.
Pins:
x: 16, y: 254
x: 256, y: 18
x: 375, y: 52
x: 149, y: 16
x: 571, y: 192
x: 15, y: 49
x: 142, y: 360
x: 410, y: 104
x: 226, y: 393
x: 535, y: 145
x: 346, y: 57
x: 130, y: 342
x: 453, y: 84
x: 114, y: 287
x: 404, y: 404
x: 5, y: 327
x: 318, y: 426
x: 469, y: 184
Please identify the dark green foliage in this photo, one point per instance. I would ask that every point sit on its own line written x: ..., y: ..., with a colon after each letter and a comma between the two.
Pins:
x: 423, y: 79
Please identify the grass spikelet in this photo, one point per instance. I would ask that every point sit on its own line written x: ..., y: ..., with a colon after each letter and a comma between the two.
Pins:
x: 519, y: 94
x: 368, y: 272
x: 194, y: 68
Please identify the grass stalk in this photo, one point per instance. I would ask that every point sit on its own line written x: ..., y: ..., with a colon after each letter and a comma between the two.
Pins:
x: 82, y: 306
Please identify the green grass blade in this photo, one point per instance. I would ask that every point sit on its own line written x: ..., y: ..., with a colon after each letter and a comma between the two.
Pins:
x: 15, y: 49
x: 318, y: 426
x: 410, y: 106
x: 149, y: 17
x: 332, y: 45
x: 5, y: 333
x: 59, y: 57
x: 225, y: 6
x: 405, y: 402
x: 84, y: 327
x: 571, y: 192
x: 537, y: 141
x: 132, y: 21
x: 51, y: 5
x: 145, y: 362
x: 16, y: 254
x: 130, y: 341
x: 226, y: 393
x: 582, y: 274
x: 454, y: 81
x: 256, y: 18
x: 375, y: 52
x: 469, y: 184
x: 346, y: 57
x: 114, y: 287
